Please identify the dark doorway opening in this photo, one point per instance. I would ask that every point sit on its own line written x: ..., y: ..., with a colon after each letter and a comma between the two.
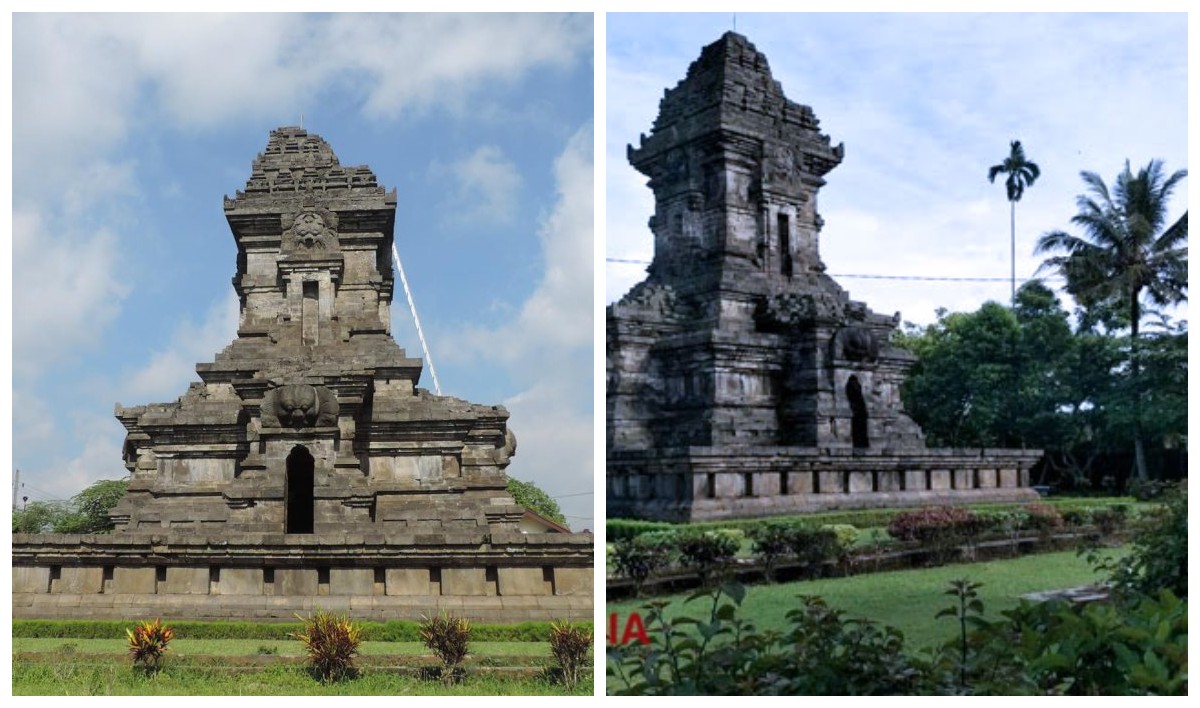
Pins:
x: 858, y: 413
x: 785, y: 245
x: 298, y: 495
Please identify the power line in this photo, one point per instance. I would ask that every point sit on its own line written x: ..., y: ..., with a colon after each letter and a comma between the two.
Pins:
x: 578, y: 494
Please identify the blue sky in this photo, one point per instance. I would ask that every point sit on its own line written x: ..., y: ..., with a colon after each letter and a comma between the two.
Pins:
x: 128, y: 131
x: 924, y: 104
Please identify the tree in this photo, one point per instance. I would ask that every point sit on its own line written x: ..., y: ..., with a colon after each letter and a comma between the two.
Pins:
x: 37, y: 517
x: 534, y: 499
x: 89, y: 508
x: 1021, y: 174
x: 1124, y: 252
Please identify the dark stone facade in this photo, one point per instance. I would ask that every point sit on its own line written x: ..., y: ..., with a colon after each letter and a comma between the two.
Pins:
x: 307, y: 468
x: 741, y: 379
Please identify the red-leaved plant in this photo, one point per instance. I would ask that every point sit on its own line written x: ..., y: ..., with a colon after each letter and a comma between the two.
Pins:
x: 147, y: 644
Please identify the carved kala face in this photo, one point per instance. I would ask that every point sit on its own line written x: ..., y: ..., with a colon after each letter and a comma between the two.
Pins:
x: 310, y: 231
x: 297, y: 405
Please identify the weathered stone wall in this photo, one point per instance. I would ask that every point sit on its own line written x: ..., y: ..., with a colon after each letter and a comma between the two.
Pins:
x: 500, y: 578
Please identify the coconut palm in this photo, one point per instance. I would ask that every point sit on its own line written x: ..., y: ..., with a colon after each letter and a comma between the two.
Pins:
x: 1021, y: 174
x: 1126, y: 251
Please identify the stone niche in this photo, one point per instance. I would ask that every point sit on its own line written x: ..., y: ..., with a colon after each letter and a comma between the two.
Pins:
x: 742, y: 380
x: 306, y: 467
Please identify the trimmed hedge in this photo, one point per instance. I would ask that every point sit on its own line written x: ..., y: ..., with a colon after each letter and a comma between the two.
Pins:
x: 862, y: 519
x: 393, y: 631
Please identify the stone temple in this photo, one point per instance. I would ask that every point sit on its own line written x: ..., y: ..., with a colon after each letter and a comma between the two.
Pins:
x: 306, y: 468
x: 742, y: 380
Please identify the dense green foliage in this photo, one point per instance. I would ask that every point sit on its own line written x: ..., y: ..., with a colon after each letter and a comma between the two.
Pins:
x: 1036, y: 649
x: 1127, y: 251
x: 531, y: 497
x: 1022, y: 377
x: 1158, y: 560
x: 617, y: 529
x: 86, y: 512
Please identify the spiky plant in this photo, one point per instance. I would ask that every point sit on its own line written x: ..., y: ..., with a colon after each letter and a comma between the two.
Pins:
x: 448, y: 637
x: 147, y: 643
x: 331, y: 642
x: 569, y: 644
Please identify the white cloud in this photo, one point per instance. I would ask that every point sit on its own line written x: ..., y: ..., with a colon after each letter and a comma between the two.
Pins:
x: 547, y: 350
x: 487, y: 186
x: 427, y: 61
x: 167, y: 374
x: 66, y: 290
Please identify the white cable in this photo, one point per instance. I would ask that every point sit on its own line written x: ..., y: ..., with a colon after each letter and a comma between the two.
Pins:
x: 437, y: 387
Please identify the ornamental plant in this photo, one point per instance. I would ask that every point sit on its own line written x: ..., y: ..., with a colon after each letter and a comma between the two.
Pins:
x: 147, y: 643
x: 708, y: 551
x: 448, y: 637
x: 331, y: 642
x: 569, y: 644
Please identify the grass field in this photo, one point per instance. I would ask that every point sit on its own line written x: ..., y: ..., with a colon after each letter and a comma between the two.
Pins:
x: 907, y: 599
x: 81, y: 676
x: 267, y: 667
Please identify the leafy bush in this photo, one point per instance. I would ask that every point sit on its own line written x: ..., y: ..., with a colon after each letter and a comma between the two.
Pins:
x: 1043, y: 518
x: 1158, y: 559
x: 707, y: 551
x: 147, y: 643
x: 941, y: 531
x: 769, y: 542
x: 845, y: 536
x: 449, y: 638
x: 570, y: 644
x: 823, y: 653
x: 1095, y: 650
x: 640, y: 557
x: 1109, y: 520
x: 1056, y: 648
x: 331, y: 642
x: 813, y: 546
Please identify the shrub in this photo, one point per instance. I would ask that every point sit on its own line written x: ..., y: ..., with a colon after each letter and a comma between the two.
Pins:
x: 331, y: 642
x: 147, y: 643
x: 707, y: 551
x: 569, y: 644
x: 1110, y: 519
x: 1158, y: 559
x: 1096, y: 650
x: 940, y: 530
x: 448, y: 637
x: 813, y: 546
x: 640, y: 557
x: 1043, y: 518
x: 769, y: 542
x: 844, y: 538
x: 823, y: 653
x: 1080, y: 516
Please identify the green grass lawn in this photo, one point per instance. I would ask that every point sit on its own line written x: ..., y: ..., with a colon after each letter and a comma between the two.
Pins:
x: 75, y: 666
x: 117, y: 678
x: 907, y: 599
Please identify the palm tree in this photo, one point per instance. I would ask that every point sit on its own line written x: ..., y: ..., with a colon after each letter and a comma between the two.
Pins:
x: 1124, y: 252
x: 1021, y: 174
